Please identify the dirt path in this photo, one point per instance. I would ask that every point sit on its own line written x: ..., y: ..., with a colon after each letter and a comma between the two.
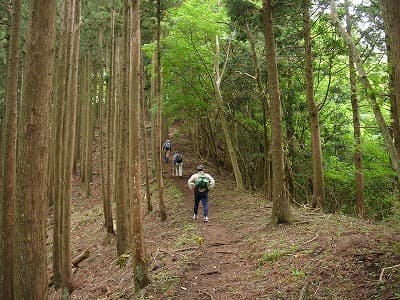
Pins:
x: 215, y: 266
x: 215, y: 261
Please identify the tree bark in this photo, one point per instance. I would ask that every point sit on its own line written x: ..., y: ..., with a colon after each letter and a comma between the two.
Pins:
x: 356, y: 125
x: 391, y: 11
x: 139, y: 262
x: 318, y: 197
x: 58, y: 121
x: 9, y: 157
x: 163, y: 211
x: 144, y: 140
x: 123, y: 209
x: 110, y: 129
x: 107, y: 208
x: 32, y: 168
x: 70, y: 125
x: 281, y: 209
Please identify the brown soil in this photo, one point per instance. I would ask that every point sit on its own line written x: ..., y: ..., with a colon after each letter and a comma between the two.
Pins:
x: 237, y: 254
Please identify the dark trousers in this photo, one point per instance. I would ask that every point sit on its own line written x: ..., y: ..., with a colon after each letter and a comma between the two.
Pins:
x: 203, y: 197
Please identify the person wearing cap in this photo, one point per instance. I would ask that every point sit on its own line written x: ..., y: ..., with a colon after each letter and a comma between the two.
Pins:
x: 200, y: 183
x: 167, y: 147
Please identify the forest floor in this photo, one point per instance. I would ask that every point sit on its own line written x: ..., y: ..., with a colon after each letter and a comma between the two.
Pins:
x: 238, y: 254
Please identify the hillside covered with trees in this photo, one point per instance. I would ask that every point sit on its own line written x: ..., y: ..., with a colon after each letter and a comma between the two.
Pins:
x: 292, y: 106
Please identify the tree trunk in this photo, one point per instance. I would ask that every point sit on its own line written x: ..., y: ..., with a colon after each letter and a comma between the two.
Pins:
x: 391, y: 11
x: 123, y: 209
x: 9, y: 157
x: 70, y: 125
x: 109, y: 134
x: 144, y: 140
x: 107, y: 208
x: 356, y: 125
x: 224, y: 125
x: 139, y: 262
x: 163, y: 211
x: 154, y: 120
x: 266, y: 110
x: 33, y: 133
x: 116, y: 117
x: 281, y: 209
x: 58, y: 142
x: 318, y: 197
x: 371, y: 95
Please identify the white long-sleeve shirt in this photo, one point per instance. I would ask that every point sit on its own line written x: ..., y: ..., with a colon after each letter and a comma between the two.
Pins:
x: 193, y: 178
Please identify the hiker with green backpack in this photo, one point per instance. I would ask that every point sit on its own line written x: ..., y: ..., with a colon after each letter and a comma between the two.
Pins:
x: 201, y: 183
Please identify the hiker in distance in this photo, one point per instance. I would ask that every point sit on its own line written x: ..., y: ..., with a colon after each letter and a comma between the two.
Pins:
x: 178, y: 164
x: 166, y: 148
x: 201, y: 183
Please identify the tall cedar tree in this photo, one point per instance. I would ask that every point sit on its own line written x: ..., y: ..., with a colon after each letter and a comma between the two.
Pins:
x: 32, y: 158
x: 123, y: 233
x: 318, y: 197
x: 391, y: 10
x: 7, y: 197
x: 140, y: 265
x: 356, y: 125
x: 281, y: 209
x: 158, y: 95
x: 70, y: 120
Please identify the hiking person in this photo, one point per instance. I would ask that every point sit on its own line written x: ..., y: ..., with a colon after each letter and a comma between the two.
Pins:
x: 201, y: 183
x: 167, y: 147
x: 178, y: 164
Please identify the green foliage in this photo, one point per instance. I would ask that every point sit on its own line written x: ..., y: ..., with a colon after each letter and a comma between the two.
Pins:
x: 272, y: 256
x: 188, y: 52
x: 379, y: 183
x: 299, y: 274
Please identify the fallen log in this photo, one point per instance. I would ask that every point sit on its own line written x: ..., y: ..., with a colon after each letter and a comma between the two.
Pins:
x: 74, y: 263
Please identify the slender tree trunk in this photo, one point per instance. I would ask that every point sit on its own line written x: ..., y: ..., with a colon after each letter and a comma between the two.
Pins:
x: 163, y: 211
x: 9, y: 157
x: 231, y: 150
x: 123, y: 209
x: 154, y: 113
x: 84, y: 120
x: 66, y: 275
x: 391, y: 11
x: 356, y: 125
x: 31, y: 196
x: 371, y: 94
x: 58, y: 141
x: 116, y: 137
x: 89, y: 127
x: 318, y: 198
x: 144, y: 140
x: 109, y: 133
x: 266, y: 111
x: 281, y: 209
x: 139, y: 262
x: 107, y: 208
x: 70, y: 125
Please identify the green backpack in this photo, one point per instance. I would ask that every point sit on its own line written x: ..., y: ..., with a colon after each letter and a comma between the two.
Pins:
x: 202, y: 182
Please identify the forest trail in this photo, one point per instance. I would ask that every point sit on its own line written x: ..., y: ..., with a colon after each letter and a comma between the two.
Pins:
x: 215, y: 263
x: 241, y: 255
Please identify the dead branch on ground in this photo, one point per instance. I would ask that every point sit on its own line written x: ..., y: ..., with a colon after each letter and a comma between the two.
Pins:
x: 387, y: 268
